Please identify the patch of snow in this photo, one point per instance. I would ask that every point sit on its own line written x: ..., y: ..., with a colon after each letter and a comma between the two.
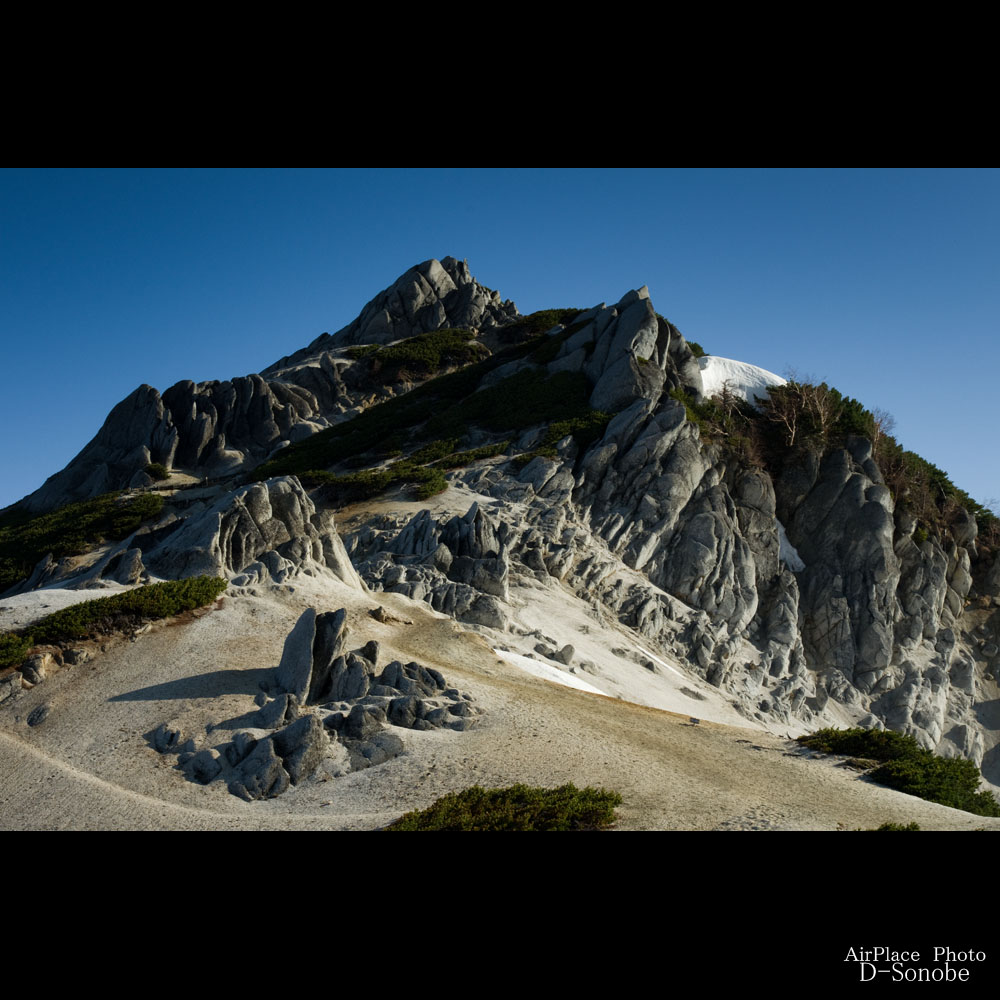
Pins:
x: 662, y: 663
x: 786, y: 551
x: 546, y: 672
x: 745, y: 380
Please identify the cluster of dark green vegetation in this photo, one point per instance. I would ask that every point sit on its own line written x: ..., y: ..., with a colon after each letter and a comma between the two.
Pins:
x: 820, y: 415
x: 930, y: 494
x: 531, y: 326
x: 422, y: 471
x: 459, y: 459
x: 549, y: 348
x: 906, y: 766
x: 420, y: 356
x: 519, y: 807
x: 157, y: 471
x: 423, y: 481
x: 696, y: 349
x: 891, y: 827
x: 796, y: 415
x: 802, y: 415
x: 730, y: 422
x: 426, y: 428
x: 585, y: 430
x: 111, y: 614
x: 26, y: 538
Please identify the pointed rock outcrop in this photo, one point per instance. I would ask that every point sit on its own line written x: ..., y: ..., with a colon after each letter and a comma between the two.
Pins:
x: 313, y: 656
x: 139, y: 430
x: 460, y: 567
x: 268, y: 531
x: 430, y: 296
x: 628, y: 353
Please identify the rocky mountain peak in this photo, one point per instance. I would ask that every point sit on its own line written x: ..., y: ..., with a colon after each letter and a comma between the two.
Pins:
x: 219, y: 428
x: 429, y: 296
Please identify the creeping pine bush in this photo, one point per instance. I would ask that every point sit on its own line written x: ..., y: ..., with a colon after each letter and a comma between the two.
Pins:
x: 461, y: 458
x: 421, y: 355
x: 425, y: 426
x: 528, y: 327
x: 446, y: 399
x: 519, y: 807
x: 156, y: 470
x: 158, y: 600
x: 69, y: 531
x: 908, y: 767
x: 893, y: 827
x: 13, y: 649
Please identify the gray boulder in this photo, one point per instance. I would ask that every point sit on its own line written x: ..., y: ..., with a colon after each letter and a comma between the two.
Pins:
x: 313, y: 667
x: 39, y: 714
x: 364, y: 721
x: 242, y: 745
x: 278, y: 712
x: 295, y: 669
x: 301, y: 746
x: 327, y: 653
x: 204, y: 766
x: 10, y: 686
x: 261, y: 775
x: 37, y: 667
x: 168, y: 736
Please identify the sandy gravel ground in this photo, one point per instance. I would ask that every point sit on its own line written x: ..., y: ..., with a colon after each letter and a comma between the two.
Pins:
x: 90, y: 764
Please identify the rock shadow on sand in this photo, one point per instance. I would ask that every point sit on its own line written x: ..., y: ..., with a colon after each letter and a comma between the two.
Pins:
x: 212, y: 684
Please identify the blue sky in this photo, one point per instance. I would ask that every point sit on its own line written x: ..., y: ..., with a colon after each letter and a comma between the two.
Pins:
x: 882, y: 282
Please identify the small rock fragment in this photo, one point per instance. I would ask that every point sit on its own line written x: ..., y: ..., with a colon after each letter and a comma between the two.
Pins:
x: 39, y: 715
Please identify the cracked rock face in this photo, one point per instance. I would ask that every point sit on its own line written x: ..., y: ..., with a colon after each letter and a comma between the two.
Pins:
x: 459, y: 567
x: 266, y: 531
x: 216, y: 428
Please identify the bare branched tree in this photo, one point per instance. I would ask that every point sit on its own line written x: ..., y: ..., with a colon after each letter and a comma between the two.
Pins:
x: 726, y: 398
x: 884, y: 424
x: 784, y: 407
x: 822, y: 405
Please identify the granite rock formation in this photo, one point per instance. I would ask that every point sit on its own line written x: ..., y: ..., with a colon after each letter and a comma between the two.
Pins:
x: 264, y: 532
x: 325, y: 707
x: 430, y: 296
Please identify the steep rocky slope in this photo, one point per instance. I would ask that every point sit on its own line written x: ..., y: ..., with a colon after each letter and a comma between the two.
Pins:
x: 624, y: 547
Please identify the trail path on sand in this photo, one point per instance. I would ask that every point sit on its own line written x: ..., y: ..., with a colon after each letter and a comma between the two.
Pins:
x: 90, y: 764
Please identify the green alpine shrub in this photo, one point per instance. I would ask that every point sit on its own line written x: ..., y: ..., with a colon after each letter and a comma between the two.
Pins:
x: 909, y: 767
x: 518, y: 807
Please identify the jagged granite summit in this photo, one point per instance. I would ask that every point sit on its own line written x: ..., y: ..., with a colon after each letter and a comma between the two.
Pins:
x: 796, y: 593
x: 430, y: 296
x: 219, y: 428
